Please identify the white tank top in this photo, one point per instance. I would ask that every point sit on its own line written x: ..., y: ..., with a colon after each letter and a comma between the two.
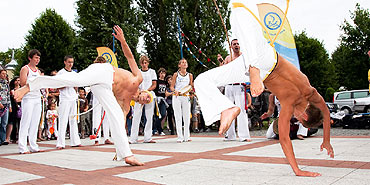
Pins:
x: 182, y: 81
x: 32, y: 75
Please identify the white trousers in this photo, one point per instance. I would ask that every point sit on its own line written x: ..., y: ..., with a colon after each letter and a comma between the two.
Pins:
x: 101, y: 86
x: 181, y: 110
x: 236, y: 94
x: 138, y: 111
x: 67, y: 108
x: 31, y: 113
x: 50, y: 124
x: 256, y: 52
x: 97, y: 116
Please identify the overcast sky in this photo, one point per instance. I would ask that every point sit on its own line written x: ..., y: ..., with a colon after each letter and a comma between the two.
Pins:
x: 319, y: 18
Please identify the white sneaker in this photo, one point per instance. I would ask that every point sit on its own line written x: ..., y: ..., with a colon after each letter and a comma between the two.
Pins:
x: 162, y: 134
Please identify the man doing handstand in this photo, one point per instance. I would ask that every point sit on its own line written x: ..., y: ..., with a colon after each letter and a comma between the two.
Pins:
x: 114, y: 88
x: 260, y: 63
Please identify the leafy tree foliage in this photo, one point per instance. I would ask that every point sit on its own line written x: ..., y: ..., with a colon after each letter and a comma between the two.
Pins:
x: 96, y: 19
x: 53, y: 37
x: 314, y: 62
x: 350, y: 58
x: 199, y: 21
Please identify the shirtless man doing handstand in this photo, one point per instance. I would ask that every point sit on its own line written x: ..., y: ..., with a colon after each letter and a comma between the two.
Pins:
x: 113, y: 87
x: 260, y: 64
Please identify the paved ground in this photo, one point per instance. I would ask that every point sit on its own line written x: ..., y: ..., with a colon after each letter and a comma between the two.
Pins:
x: 205, y: 160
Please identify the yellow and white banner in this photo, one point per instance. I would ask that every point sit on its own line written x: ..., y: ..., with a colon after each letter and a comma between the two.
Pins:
x: 108, y: 54
x: 272, y: 18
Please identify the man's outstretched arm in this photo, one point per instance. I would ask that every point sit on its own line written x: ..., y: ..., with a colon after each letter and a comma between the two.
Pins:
x: 126, y: 50
x: 319, y: 102
x: 285, y: 142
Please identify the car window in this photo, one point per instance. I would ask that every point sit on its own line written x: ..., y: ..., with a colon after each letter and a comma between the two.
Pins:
x: 343, y: 96
x: 361, y: 94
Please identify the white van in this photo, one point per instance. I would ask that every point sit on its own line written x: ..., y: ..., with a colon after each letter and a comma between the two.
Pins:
x: 353, y: 101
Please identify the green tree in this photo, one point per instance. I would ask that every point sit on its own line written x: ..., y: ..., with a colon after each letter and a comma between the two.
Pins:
x: 53, y: 37
x: 96, y: 19
x: 350, y: 58
x: 199, y: 21
x: 314, y: 62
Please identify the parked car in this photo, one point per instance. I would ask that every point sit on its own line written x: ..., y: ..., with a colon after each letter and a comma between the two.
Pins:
x: 353, y: 101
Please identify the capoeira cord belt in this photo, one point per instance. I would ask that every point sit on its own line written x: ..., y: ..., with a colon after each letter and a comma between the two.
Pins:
x: 272, y: 41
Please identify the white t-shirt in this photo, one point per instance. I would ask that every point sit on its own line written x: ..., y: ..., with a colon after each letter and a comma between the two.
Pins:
x: 148, y: 77
x: 67, y: 93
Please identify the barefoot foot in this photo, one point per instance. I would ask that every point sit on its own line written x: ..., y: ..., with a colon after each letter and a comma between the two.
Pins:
x: 133, y: 161
x: 108, y: 142
x: 227, y: 117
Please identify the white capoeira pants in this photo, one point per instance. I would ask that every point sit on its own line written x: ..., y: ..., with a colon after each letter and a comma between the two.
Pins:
x: 67, y: 108
x: 256, y: 52
x: 97, y: 116
x: 236, y: 94
x: 31, y: 113
x: 138, y: 111
x: 181, y: 110
x: 301, y: 131
x: 101, y: 86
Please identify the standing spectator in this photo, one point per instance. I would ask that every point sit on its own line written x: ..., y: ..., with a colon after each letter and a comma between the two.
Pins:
x: 31, y: 106
x: 237, y: 94
x: 149, y: 83
x: 84, y: 106
x: 15, y: 115
x: 51, y: 116
x: 67, y: 108
x: 181, y: 102
x: 5, y: 106
x: 170, y: 116
x: 160, y: 92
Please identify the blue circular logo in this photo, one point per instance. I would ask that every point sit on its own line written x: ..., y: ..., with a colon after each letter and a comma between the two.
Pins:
x: 107, y: 57
x: 272, y: 21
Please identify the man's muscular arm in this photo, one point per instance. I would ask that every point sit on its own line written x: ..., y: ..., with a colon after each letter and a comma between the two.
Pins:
x: 126, y: 50
x: 319, y: 102
x: 271, y: 108
x: 285, y: 142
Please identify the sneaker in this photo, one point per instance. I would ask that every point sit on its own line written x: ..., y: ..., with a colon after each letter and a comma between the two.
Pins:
x: 162, y: 134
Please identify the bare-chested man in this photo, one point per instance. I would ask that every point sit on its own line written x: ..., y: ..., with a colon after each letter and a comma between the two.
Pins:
x: 113, y: 87
x: 260, y: 62
x: 236, y: 93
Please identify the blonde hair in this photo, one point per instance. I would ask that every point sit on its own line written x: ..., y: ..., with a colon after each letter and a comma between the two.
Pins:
x: 144, y: 58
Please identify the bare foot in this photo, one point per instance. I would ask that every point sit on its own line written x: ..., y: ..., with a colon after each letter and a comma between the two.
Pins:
x: 19, y: 93
x: 60, y: 148
x: 151, y: 141
x: 133, y: 161
x: 108, y: 142
x: 227, y: 117
x: 28, y: 152
x: 96, y: 143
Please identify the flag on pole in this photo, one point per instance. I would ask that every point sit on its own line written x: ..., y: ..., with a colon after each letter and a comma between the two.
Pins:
x: 108, y: 54
x: 272, y: 17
